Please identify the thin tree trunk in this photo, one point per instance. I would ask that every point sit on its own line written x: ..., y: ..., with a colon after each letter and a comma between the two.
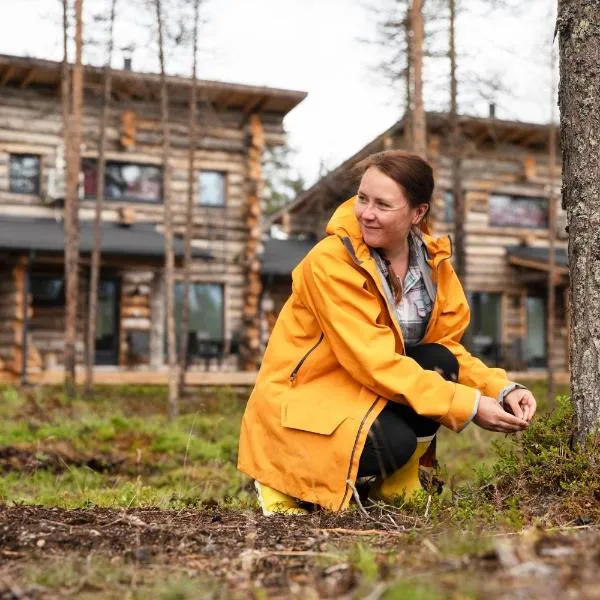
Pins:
x: 579, y: 34
x: 408, y: 78
x: 187, y: 264
x: 419, y: 134
x: 72, y: 206
x: 96, y: 251
x: 551, y: 299
x: 65, y: 85
x: 173, y: 404
x: 455, y: 154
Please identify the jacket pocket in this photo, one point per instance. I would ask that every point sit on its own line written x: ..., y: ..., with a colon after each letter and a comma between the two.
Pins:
x: 309, y: 416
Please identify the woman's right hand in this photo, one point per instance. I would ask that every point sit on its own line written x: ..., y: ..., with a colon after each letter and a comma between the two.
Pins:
x: 490, y: 415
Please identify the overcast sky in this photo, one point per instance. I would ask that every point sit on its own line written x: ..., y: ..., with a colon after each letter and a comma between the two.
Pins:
x: 314, y: 46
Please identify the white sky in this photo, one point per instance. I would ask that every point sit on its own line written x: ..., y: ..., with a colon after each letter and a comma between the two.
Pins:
x: 313, y: 45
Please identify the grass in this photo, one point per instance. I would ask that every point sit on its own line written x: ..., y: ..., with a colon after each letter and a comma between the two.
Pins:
x: 494, y: 483
x: 162, y: 463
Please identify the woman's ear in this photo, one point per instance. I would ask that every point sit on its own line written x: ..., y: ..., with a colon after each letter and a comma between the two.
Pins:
x: 420, y: 213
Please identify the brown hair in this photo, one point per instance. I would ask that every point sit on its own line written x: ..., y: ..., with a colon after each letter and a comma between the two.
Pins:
x: 413, y: 175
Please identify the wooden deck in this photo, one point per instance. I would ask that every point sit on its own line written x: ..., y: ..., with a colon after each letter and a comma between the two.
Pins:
x: 119, y: 377
x: 106, y: 376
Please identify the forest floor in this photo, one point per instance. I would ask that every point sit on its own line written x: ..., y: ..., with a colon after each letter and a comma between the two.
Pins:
x: 106, y: 498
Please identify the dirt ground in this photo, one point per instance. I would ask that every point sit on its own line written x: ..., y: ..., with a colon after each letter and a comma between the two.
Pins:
x: 292, y: 557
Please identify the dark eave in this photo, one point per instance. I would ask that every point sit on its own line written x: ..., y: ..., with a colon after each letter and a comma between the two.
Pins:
x: 26, y: 72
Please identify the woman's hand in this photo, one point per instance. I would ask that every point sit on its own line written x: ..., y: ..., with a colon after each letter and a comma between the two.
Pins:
x: 521, y: 403
x: 490, y: 415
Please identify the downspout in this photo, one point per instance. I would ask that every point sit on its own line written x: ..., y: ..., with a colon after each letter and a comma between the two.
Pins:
x: 24, y: 336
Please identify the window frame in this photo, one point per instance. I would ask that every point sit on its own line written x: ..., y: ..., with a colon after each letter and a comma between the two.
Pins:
x: 38, y: 186
x: 107, y: 198
x: 198, y: 200
x: 496, y: 342
x: 541, y: 200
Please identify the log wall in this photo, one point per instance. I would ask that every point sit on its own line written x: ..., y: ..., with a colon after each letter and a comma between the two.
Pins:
x: 31, y: 123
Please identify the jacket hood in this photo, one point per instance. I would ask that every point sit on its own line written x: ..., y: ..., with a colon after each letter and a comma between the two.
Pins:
x: 344, y: 224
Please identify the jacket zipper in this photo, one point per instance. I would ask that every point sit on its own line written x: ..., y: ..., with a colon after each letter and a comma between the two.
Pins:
x: 294, y: 373
x: 354, y: 447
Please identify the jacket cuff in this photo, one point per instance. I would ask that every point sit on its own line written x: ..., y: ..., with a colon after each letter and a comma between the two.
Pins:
x: 507, y: 390
x: 463, y: 408
x: 475, y: 409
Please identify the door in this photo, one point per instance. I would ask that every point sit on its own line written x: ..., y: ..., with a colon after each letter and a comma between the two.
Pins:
x: 107, y: 323
x: 535, y: 344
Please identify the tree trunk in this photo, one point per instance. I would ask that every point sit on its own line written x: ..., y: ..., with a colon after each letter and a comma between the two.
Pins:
x: 408, y: 127
x: 579, y: 99
x: 551, y: 298
x: 455, y: 154
x: 187, y: 264
x: 96, y: 251
x: 173, y: 404
x: 419, y: 134
x: 72, y: 207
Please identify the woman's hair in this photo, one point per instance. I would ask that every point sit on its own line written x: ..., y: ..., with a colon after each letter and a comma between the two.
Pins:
x: 414, y: 175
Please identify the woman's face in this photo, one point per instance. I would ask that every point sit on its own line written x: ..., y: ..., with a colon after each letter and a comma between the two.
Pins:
x: 383, y: 212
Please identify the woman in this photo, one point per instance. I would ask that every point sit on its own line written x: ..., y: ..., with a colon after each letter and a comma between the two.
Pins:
x: 365, y: 360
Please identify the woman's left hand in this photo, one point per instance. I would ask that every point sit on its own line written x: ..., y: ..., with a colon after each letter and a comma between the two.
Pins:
x: 520, y: 403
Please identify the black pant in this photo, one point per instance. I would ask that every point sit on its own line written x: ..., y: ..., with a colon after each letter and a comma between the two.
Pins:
x: 392, y: 439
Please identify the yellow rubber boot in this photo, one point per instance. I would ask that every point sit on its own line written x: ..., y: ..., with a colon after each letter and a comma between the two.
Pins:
x: 273, y: 502
x: 404, y: 482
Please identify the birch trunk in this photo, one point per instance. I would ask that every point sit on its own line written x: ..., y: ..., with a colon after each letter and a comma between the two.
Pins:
x: 187, y: 264
x: 72, y: 207
x: 96, y: 251
x: 419, y: 135
x: 173, y: 404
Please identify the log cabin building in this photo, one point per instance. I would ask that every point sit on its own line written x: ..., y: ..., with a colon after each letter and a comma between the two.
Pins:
x: 235, y: 123
x: 506, y: 182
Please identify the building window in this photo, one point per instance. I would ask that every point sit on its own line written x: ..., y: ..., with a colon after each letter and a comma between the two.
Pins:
x: 47, y: 291
x: 206, y: 328
x: 125, y: 182
x: 448, y: 207
x: 535, y: 344
x: 518, y: 211
x: 483, y: 335
x: 24, y: 170
x: 211, y: 188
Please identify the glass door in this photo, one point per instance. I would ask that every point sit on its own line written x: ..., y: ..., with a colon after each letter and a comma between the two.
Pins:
x: 107, y: 322
x: 535, y: 344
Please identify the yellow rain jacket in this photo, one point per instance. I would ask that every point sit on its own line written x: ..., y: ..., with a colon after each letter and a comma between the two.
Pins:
x: 334, y: 359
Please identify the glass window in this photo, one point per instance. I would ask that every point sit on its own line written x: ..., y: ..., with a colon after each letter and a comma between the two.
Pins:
x: 448, y: 207
x: 483, y: 335
x: 211, y: 188
x: 518, y: 211
x: 128, y: 182
x: 206, y: 317
x: 536, y: 331
x: 24, y: 174
x: 47, y: 291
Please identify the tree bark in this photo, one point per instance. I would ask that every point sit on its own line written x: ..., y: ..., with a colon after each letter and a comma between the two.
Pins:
x: 187, y: 261
x: 173, y: 404
x: 551, y: 297
x: 419, y: 134
x: 579, y: 99
x: 455, y: 154
x: 96, y: 250
x: 72, y: 207
x: 408, y: 128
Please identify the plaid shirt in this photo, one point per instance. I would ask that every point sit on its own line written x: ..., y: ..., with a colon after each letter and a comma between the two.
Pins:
x: 415, y: 306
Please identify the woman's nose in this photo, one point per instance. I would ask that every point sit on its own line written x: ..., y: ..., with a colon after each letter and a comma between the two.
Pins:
x: 368, y: 214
